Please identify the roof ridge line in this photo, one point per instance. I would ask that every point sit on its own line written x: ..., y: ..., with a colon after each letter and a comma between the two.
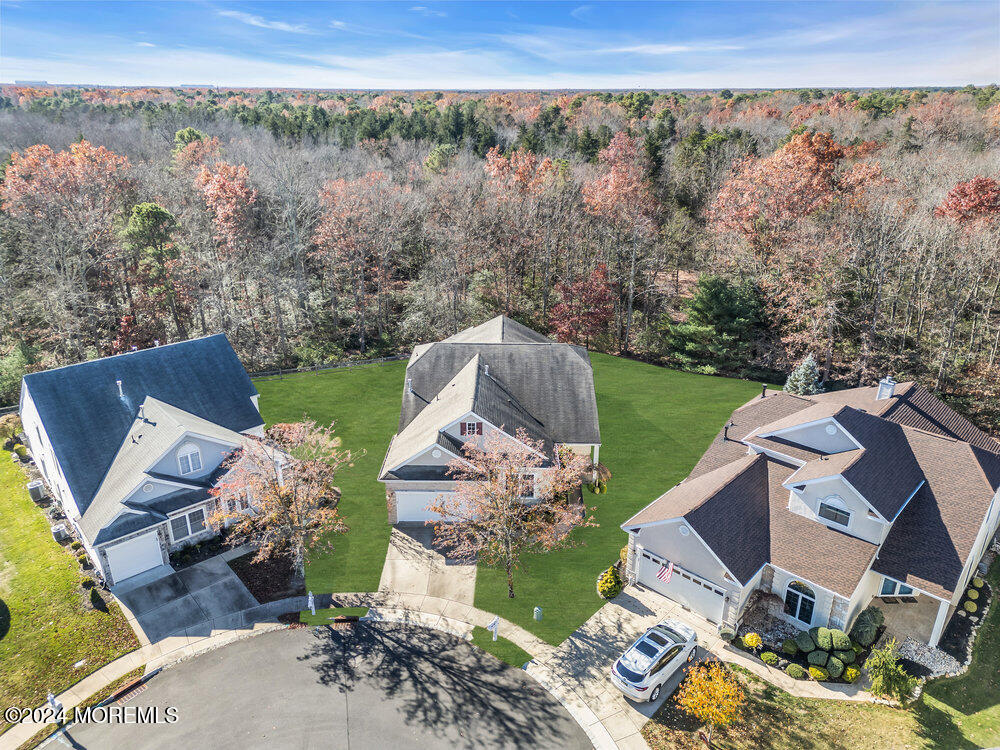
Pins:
x: 753, y: 460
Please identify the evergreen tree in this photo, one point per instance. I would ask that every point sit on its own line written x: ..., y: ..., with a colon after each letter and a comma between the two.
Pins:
x: 804, y: 380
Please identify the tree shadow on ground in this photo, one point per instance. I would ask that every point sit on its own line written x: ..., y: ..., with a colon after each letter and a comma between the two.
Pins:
x: 939, y: 728
x: 97, y: 601
x: 4, y: 619
x: 442, y: 682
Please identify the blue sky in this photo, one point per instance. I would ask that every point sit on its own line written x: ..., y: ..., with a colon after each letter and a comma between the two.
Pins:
x: 477, y: 45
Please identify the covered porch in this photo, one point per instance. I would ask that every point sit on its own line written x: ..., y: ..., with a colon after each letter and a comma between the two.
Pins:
x: 913, y: 613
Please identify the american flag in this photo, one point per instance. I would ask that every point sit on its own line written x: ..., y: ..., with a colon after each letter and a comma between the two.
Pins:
x: 665, y: 572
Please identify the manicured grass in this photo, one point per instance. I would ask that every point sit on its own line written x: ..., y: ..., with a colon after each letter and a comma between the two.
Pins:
x: 325, y: 616
x: 364, y: 402
x: 771, y: 719
x: 655, y: 424
x: 964, y: 711
x: 502, y: 649
x: 46, y: 622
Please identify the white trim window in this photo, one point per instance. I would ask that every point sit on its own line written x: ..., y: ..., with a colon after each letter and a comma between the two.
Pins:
x: 800, y: 602
x: 834, y: 510
x: 187, y: 524
x: 189, y: 458
x: 527, y: 489
x: 894, y: 588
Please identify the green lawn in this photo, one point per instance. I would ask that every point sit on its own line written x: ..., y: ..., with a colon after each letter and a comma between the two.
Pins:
x: 655, y: 424
x: 501, y: 648
x: 364, y: 402
x: 46, y: 622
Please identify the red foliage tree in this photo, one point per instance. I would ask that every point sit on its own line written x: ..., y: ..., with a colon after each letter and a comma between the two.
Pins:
x: 974, y: 202
x: 585, y: 308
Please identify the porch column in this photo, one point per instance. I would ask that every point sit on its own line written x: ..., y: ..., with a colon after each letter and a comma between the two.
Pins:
x: 942, y: 615
x: 597, y: 454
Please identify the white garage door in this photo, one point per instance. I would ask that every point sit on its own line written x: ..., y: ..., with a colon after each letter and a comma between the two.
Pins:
x: 412, y: 506
x: 134, y: 556
x: 697, y: 594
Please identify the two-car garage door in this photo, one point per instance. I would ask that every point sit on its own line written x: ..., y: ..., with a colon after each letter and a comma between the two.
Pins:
x: 697, y: 594
x: 130, y: 558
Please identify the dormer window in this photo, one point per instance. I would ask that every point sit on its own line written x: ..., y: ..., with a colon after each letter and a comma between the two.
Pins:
x: 834, y: 510
x: 471, y: 428
x: 189, y: 458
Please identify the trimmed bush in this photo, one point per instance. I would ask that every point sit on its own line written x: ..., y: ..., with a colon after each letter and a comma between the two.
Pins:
x: 87, y: 583
x: 623, y: 555
x: 972, y: 594
x: 795, y: 671
x: 866, y: 626
x: 769, y: 657
x: 738, y: 642
x: 851, y: 674
x: 835, y: 667
x: 790, y: 647
x: 847, y: 656
x: 727, y: 634
x: 971, y: 607
x: 817, y: 658
x: 609, y: 585
x: 752, y: 641
x: 75, y: 545
x: 977, y: 582
x: 822, y: 637
x: 841, y: 640
x: 21, y: 451
x: 82, y: 559
x: 804, y: 641
x: 819, y: 674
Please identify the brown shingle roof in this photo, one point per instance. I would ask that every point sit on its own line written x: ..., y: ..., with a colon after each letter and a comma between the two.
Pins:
x: 825, y: 466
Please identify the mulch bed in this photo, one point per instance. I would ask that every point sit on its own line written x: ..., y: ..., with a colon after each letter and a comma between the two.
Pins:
x: 801, y: 659
x: 269, y: 580
x: 199, y: 552
x: 959, y: 632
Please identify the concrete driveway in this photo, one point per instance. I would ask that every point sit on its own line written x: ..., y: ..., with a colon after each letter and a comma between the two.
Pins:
x: 192, y: 601
x: 376, y: 686
x: 415, y: 565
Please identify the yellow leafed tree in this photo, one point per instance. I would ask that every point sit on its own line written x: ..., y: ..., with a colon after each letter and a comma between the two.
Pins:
x: 712, y: 695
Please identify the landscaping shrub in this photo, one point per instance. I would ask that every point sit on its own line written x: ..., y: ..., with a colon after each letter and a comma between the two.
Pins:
x: 822, y: 637
x: 87, y: 583
x: 804, y: 641
x: 769, y: 657
x: 841, y: 640
x: 971, y: 607
x: 609, y: 585
x: 790, y: 647
x: 82, y: 559
x: 75, y: 545
x: 847, y: 656
x: 819, y: 674
x: 738, y: 642
x: 727, y: 634
x: 623, y: 555
x: 752, y: 641
x: 835, y: 667
x: 866, y: 626
x: 977, y: 582
x: 817, y: 657
x: 795, y: 671
x: 889, y: 679
x: 851, y: 674
x: 972, y: 594
x: 21, y: 451
x: 10, y: 425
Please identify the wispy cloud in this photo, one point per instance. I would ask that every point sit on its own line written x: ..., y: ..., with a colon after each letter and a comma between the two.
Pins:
x: 338, y: 25
x: 144, y: 44
x: 260, y: 22
x: 425, y: 11
x: 667, y: 49
x: 581, y: 12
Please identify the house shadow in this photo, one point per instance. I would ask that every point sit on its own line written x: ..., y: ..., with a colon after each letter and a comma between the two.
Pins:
x: 440, y: 681
x: 938, y: 728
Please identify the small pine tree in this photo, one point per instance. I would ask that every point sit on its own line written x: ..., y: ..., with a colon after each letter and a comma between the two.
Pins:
x: 804, y: 380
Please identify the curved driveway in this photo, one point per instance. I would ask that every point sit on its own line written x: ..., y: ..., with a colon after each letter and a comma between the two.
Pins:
x: 377, y: 686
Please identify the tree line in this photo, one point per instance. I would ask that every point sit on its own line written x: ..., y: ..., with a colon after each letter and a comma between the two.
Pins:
x: 720, y: 232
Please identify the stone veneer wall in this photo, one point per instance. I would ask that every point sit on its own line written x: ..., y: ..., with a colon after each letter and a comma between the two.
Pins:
x: 390, y: 506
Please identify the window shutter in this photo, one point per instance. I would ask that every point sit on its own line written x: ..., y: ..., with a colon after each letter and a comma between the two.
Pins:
x: 462, y: 428
x: 479, y: 428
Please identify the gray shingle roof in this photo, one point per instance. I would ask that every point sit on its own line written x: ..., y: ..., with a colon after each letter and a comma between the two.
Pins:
x: 86, y: 420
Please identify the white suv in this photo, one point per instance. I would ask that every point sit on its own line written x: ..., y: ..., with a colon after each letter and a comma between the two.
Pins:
x: 649, y: 662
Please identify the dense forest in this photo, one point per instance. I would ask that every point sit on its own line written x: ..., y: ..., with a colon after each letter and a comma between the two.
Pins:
x: 713, y: 231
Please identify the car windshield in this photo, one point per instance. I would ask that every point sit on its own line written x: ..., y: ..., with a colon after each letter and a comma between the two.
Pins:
x: 647, y: 649
x: 627, y: 673
x: 677, y: 637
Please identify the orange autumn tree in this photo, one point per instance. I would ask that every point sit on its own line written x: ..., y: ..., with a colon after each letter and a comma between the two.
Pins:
x: 497, y: 513
x: 278, y: 493
x: 974, y: 203
x: 712, y: 695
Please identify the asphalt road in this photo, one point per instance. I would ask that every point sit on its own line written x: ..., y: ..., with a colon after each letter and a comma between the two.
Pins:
x: 378, y: 686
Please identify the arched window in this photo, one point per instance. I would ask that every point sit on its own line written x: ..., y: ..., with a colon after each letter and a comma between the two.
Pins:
x: 800, y: 601
x: 188, y: 458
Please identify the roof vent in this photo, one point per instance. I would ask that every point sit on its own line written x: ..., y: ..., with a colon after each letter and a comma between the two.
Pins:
x: 886, y: 388
x: 486, y: 370
x: 763, y: 390
x: 121, y: 393
x: 409, y: 385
